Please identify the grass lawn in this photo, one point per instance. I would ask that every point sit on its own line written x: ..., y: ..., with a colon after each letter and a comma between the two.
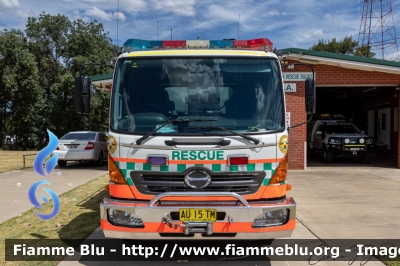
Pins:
x: 13, y: 160
x: 79, y: 216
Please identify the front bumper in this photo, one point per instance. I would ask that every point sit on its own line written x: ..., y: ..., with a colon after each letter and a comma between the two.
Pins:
x: 237, y: 223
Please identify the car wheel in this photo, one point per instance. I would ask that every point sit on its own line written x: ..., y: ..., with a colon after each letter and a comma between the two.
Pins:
x: 100, y: 160
x: 62, y: 163
x: 327, y: 155
x: 366, y: 157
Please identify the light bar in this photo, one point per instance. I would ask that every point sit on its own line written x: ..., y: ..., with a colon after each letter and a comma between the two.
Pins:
x: 261, y: 44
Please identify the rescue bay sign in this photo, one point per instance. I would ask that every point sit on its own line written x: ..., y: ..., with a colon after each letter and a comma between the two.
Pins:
x: 289, y: 87
x: 297, y: 76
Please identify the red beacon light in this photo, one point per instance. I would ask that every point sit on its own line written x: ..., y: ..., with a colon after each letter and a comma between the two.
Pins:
x: 174, y: 44
x: 262, y: 44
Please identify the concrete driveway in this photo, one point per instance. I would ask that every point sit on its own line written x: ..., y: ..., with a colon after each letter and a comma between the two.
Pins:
x: 15, y: 185
x: 343, y: 202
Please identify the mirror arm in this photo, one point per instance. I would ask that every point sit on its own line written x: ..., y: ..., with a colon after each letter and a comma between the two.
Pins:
x: 309, y: 120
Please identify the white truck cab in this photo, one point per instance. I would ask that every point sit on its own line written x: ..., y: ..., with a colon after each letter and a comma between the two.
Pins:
x: 338, y: 138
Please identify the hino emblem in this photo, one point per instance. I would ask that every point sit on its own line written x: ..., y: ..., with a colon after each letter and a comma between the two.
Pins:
x: 197, y: 179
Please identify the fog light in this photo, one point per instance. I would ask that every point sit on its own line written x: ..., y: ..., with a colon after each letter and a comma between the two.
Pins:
x: 119, y: 217
x: 272, y: 218
x: 346, y: 141
x: 362, y: 141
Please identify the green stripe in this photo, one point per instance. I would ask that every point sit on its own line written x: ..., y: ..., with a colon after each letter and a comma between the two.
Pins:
x: 181, y: 167
x: 201, y: 165
x: 130, y: 182
x: 123, y: 172
x: 117, y: 164
x: 146, y: 167
x: 234, y: 168
x: 251, y: 167
x: 267, y: 166
x: 216, y: 167
x: 164, y: 168
x: 130, y: 166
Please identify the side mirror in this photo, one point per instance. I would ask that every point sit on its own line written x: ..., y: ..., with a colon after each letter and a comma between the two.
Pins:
x: 310, y: 96
x: 319, y: 133
x: 82, y: 95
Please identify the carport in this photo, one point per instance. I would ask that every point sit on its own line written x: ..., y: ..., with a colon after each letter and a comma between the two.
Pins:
x: 364, y: 90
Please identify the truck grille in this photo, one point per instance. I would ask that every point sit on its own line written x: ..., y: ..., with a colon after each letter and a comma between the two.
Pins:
x: 158, y: 182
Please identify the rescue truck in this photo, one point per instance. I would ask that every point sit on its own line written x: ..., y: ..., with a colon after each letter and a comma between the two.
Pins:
x: 198, y: 144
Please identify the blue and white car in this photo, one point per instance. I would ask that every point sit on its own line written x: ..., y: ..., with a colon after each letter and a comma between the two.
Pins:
x: 82, y: 146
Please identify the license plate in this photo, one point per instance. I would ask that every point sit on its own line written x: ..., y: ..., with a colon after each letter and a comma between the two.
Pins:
x: 198, y: 215
x: 72, y: 147
x: 354, y: 149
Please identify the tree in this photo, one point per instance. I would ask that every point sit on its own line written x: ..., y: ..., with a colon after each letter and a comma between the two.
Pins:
x: 37, y: 71
x: 347, y: 46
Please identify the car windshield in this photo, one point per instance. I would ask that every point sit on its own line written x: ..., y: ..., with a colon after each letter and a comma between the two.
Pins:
x: 342, y: 129
x: 79, y: 136
x: 242, y: 94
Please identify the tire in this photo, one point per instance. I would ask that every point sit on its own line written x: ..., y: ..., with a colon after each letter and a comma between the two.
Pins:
x: 327, y: 156
x: 61, y: 163
x: 100, y: 160
x: 366, y: 158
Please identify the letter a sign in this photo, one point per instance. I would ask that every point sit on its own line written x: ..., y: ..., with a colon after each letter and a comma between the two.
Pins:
x: 289, y: 87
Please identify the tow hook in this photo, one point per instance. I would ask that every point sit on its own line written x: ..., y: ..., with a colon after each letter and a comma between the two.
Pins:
x: 230, y: 220
x: 355, y: 153
x: 168, y: 220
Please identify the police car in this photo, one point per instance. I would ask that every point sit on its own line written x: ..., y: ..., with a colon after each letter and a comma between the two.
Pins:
x: 334, y: 138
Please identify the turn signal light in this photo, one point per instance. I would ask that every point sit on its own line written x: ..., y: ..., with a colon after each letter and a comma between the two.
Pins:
x: 238, y: 160
x: 114, y: 172
x: 280, y: 172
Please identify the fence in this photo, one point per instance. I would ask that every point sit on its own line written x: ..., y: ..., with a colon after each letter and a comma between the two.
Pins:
x: 27, y: 155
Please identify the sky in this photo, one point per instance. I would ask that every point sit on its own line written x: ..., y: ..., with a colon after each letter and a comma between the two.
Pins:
x: 287, y: 23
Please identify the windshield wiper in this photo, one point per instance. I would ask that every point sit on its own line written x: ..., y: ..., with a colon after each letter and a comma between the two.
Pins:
x: 179, y: 120
x: 256, y: 141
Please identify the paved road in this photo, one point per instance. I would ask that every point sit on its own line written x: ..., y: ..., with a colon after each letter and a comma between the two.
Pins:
x: 14, y: 198
x: 345, y: 202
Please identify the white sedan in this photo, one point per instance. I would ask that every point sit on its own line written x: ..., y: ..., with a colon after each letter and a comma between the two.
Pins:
x: 82, y: 146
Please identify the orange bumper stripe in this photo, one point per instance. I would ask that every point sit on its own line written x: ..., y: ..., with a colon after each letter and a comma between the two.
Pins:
x: 274, y: 191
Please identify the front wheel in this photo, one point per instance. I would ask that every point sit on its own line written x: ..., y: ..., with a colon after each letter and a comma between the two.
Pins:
x: 366, y: 158
x: 327, y: 155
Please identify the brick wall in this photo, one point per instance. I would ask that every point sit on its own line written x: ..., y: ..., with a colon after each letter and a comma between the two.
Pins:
x: 328, y: 75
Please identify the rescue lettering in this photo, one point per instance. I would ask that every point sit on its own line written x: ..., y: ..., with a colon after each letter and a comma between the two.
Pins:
x: 197, y: 155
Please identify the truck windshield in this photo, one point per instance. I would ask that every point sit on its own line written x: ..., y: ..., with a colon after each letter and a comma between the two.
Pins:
x: 242, y: 95
x: 341, y: 129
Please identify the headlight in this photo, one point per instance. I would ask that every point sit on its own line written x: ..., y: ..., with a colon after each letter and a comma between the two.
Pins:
x: 120, y: 217
x: 346, y: 141
x: 272, y: 218
x: 362, y: 141
x: 334, y: 140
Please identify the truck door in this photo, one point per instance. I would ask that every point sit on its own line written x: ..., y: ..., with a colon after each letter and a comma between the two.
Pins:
x: 318, y: 138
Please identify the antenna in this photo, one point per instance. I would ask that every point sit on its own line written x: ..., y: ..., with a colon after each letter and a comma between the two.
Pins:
x: 158, y: 37
x: 198, y: 33
x: 377, y: 30
x: 171, y: 34
x: 117, y: 22
x: 238, y: 26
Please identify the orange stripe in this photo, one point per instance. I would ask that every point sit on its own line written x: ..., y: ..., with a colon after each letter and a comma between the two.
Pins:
x: 274, y: 191
x: 218, y: 227
x: 121, y: 191
x: 135, y: 160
